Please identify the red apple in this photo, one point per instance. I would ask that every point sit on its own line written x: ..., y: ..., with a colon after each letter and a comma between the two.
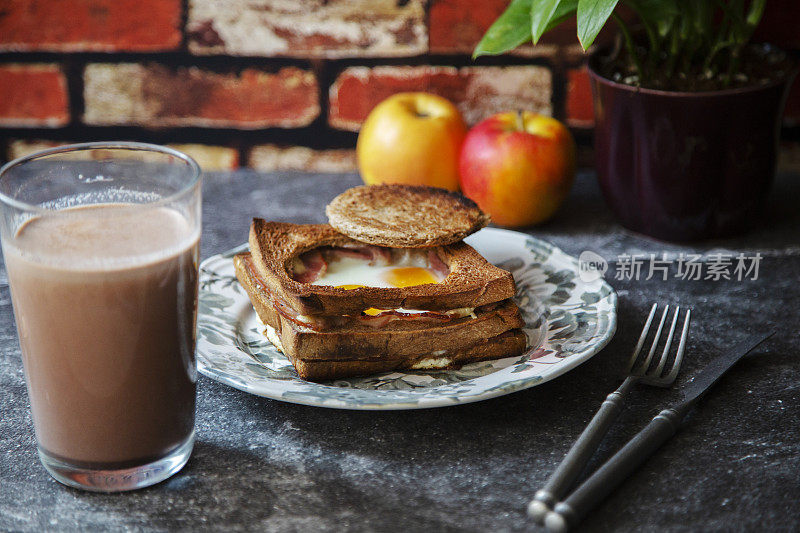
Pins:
x: 518, y: 167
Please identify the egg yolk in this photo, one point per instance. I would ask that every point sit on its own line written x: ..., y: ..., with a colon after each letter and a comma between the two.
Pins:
x: 350, y: 287
x: 409, y: 276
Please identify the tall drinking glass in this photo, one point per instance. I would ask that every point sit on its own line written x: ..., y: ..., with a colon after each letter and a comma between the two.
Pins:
x: 100, y: 242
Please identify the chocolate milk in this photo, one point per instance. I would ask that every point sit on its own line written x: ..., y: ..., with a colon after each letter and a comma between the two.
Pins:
x: 104, y: 298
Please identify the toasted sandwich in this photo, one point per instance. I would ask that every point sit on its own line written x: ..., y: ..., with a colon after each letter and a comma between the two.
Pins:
x: 340, y: 307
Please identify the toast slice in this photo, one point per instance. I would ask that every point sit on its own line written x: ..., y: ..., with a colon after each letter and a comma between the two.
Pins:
x: 405, y: 216
x: 508, y: 344
x: 398, y: 339
x: 471, y: 281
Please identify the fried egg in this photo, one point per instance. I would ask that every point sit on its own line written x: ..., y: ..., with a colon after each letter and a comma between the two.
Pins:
x: 351, y: 273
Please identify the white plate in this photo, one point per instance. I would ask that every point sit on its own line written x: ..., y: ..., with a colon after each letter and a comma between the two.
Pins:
x: 567, y: 321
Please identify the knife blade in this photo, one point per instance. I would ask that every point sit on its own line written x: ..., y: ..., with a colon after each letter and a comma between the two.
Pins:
x: 714, y: 370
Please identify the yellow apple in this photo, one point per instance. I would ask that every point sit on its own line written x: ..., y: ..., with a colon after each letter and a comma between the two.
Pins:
x: 411, y: 138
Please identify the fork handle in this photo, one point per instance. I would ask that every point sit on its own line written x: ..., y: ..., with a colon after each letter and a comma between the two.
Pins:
x: 577, y: 457
x: 592, y: 491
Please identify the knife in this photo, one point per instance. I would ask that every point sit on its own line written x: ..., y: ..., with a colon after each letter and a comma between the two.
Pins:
x: 570, y: 511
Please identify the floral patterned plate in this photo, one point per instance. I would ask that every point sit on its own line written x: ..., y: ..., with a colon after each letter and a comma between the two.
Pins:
x: 567, y: 321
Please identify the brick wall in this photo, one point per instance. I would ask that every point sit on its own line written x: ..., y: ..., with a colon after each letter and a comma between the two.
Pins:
x: 274, y: 84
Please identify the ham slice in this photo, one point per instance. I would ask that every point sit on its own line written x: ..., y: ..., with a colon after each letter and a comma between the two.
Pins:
x: 312, y: 267
x: 355, y: 253
x: 374, y: 254
x: 437, y: 265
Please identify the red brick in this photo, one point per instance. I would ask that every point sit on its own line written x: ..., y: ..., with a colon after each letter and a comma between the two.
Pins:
x: 210, y: 158
x: 155, y: 96
x: 580, y: 110
x: 90, y: 25
x: 779, y: 24
x: 477, y: 91
x: 334, y: 28
x: 271, y: 158
x: 33, y: 96
x: 456, y: 26
x: 22, y: 147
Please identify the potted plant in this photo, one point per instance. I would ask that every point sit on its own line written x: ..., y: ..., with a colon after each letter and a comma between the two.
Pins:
x: 687, y: 109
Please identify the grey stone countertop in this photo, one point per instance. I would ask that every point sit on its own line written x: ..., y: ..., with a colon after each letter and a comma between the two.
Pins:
x: 265, y: 465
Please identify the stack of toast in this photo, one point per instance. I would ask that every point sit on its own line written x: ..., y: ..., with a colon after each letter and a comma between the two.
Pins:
x: 388, y: 285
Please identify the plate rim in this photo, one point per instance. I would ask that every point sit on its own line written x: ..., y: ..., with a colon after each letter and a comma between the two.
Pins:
x: 424, y: 403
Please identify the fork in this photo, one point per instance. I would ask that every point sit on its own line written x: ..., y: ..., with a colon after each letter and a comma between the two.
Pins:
x: 577, y: 457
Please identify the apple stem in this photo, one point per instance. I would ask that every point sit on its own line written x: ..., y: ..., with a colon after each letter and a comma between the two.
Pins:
x: 520, y: 121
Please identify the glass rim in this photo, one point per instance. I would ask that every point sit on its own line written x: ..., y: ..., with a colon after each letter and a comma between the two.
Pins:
x: 100, y: 145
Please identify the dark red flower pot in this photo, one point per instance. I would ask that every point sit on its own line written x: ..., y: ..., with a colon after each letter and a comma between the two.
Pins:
x: 682, y: 166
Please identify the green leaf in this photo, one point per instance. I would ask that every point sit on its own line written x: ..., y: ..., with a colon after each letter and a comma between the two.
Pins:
x: 592, y: 16
x: 541, y: 13
x: 510, y: 30
x: 755, y: 13
x: 563, y: 11
x: 660, y: 14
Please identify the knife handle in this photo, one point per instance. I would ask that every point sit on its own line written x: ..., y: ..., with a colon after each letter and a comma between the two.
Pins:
x: 569, y: 512
x: 577, y: 457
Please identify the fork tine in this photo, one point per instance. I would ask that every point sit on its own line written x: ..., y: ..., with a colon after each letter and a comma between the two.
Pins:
x: 676, y: 366
x: 665, y: 353
x: 642, y: 337
x: 647, y: 361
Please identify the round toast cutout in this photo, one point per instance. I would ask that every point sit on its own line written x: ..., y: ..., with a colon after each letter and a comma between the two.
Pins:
x: 405, y: 216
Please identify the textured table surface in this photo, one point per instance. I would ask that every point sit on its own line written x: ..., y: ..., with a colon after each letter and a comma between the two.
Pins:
x: 265, y: 465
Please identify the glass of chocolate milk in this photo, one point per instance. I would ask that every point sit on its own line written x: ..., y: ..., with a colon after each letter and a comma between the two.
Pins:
x: 100, y: 242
